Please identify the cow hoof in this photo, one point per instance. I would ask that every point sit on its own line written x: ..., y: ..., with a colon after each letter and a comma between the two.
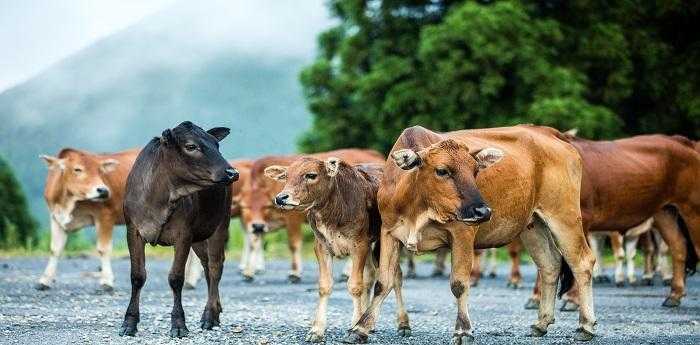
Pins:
x: 583, y: 335
x: 294, y: 279
x: 667, y: 282
x: 42, y: 287
x: 412, y: 275
x: 648, y: 281
x: 127, y: 329
x: 672, y: 302
x: 537, y: 332
x: 248, y: 279
x: 462, y: 339
x: 354, y: 337
x: 209, y: 324
x: 474, y: 283
x: 601, y: 279
x: 343, y: 278
x: 620, y: 284
x: 569, y: 306
x: 404, y: 331
x: 179, y: 332
x: 188, y: 286
x: 492, y: 275
x: 106, y: 288
x: 513, y: 285
x: 437, y: 274
x: 532, y: 304
x: 313, y: 337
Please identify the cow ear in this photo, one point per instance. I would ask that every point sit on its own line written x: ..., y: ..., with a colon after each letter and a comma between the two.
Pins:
x: 406, y: 159
x: 332, y: 166
x: 53, y: 162
x: 487, y: 157
x: 276, y: 172
x: 166, y: 138
x: 109, y: 165
x: 572, y: 132
x: 219, y: 132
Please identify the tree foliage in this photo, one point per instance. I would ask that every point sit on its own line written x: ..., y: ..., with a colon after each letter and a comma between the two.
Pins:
x: 609, y: 69
x: 17, y: 227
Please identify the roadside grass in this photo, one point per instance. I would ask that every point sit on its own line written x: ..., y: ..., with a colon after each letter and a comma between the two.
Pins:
x: 82, y: 243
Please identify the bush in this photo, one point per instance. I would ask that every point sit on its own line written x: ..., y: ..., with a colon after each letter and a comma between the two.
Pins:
x: 17, y: 226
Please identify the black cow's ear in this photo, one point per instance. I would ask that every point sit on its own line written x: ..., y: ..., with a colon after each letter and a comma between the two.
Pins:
x: 219, y: 132
x: 166, y: 138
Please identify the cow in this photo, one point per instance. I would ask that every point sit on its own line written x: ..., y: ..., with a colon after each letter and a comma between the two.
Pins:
x: 340, y: 201
x: 627, y: 181
x: 83, y: 189
x: 260, y: 216
x: 481, y: 189
x: 193, y: 268
x: 178, y: 194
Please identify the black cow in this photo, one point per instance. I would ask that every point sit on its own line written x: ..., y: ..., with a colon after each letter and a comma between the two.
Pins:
x: 177, y: 194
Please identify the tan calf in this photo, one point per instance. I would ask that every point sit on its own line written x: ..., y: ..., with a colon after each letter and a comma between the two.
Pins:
x: 481, y: 189
x: 341, y: 203
x: 84, y: 189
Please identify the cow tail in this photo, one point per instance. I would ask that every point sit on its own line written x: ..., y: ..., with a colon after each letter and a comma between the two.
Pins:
x: 691, y: 260
x: 566, y: 278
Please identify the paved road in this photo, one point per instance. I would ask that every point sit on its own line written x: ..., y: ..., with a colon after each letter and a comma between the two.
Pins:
x: 271, y: 311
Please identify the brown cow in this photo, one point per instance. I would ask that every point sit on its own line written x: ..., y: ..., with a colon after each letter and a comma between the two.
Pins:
x: 438, y: 191
x: 193, y: 268
x: 260, y: 216
x: 82, y: 189
x: 178, y: 194
x: 341, y: 203
x: 626, y: 181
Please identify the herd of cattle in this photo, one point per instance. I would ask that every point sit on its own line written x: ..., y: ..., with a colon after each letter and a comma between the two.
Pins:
x: 551, y: 193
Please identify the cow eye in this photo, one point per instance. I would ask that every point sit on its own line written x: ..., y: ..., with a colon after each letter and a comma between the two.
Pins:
x: 190, y: 147
x: 442, y: 172
x: 311, y: 176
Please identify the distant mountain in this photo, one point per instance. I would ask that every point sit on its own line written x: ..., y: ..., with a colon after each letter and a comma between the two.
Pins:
x: 193, y: 61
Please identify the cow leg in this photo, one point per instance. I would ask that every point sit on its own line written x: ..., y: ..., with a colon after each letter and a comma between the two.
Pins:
x: 325, y: 287
x: 369, y: 277
x: 246, y: 253
x: 259, y: 257
x: 411, y: 265
x: 515, y: 277
x: 137, y: 257
x: 663, y: 267
x: 295, y: 239
x: 58, y: 243
x: 491, y: 262
x: 668, y: 228
x: 347, y: 269
x: 104, y: 226
x: 193, y: 270
x: 630, y: 252
x: 690, y: 212
x: 544, y: 252
x: 440, y: 257
x: 475, y: 273
x: 463, y: 256
x: 176, y: 279
x: 404, y: 328
x: 594, y: 241
x: 255, y: 242
x: 356, y: 281
x: 216, y: 250
x: 649, y: 256
x: 569, y: 236
x: 388, y: 265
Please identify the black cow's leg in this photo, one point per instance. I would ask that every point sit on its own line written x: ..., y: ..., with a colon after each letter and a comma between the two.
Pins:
x: 138, y: 279
x: 176, y: 278
x: 216, y: 246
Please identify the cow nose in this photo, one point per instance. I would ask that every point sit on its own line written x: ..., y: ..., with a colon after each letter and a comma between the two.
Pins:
x: 232, y: 174
x: 102, y: 192
x: 258, y: 228
x: 477, y: 213
x: 482, y: 212
x: 281, y: 199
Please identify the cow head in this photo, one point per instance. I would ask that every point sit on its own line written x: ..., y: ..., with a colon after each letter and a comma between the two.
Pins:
x: 445, y: 180
x: 306, y: 181
x: 257, y: 209
x: 79, y: 176
x: 193, y: 155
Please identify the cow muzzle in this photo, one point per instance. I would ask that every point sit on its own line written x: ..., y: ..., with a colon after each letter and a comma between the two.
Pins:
x: 475, y: 214
x: 258, y: 228
x: 284, y: 201
x: 99, y: 193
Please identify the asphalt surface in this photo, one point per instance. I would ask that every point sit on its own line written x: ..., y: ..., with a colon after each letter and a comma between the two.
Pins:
x: 272, y: 311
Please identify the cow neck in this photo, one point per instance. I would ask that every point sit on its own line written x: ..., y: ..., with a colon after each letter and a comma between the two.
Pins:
x: 346, y: 200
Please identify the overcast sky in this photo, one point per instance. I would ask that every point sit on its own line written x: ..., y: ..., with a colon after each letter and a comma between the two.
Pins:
x: 35, y: 34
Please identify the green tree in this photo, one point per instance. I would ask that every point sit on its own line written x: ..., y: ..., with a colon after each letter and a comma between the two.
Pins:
x: 607, y: 69
x: 17, y: 227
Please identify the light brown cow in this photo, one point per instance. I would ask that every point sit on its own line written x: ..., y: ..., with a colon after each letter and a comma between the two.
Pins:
x: 260, y: 216
x: 83, y: 189
x: 193, y: 269
x: 482, y: 189
x: 626, y: 181
x: 340, y: 201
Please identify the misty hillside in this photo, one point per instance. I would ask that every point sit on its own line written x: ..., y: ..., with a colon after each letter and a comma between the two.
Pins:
x: 197, y: 62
